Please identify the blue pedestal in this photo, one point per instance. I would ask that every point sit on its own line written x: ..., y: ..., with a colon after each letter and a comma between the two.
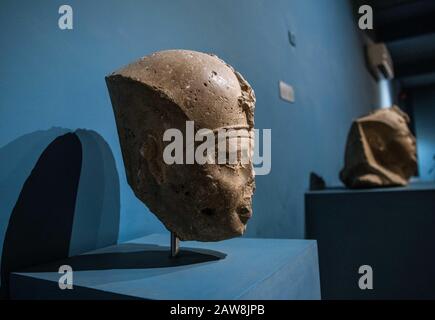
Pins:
x: 390, y: 229
x: 141, y: 269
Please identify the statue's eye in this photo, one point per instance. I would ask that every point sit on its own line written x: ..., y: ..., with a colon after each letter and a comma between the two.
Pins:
x: 237, y: 151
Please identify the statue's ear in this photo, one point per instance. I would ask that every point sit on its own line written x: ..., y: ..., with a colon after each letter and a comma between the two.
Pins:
x: 377, y: 142
x: 375, y: 134
x: 151, y: 154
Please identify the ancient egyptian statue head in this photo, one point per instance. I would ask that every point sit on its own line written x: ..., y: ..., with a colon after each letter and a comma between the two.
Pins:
x: 380, y: 151
x: 175, y: 89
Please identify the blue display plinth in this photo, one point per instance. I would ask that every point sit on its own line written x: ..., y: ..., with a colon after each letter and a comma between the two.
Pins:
x: 141, y: 269
x: 391, y: 229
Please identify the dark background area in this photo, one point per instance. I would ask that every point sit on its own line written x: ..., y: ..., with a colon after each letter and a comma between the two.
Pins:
x: 407, y: 27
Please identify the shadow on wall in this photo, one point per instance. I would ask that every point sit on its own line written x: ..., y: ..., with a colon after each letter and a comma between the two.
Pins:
x: 133, y: 256
x: 59, y: 196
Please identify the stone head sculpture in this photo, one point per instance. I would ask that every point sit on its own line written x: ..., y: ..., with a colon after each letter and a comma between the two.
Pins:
x: 380, y: 151
x: 167, y: 90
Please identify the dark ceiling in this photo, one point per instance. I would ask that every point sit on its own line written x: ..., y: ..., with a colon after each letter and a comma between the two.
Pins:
x: 408, y: 29
x: 399, y: 19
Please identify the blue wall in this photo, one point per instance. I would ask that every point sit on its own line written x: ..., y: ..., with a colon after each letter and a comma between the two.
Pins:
x: 51, y: 77
x: 423, y: 105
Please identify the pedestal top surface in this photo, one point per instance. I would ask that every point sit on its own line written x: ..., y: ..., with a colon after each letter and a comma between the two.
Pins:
x: 412, y: 186
x: 204, y: 270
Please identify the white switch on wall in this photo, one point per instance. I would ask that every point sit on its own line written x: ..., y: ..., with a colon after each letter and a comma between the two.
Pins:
x: 286, y: 92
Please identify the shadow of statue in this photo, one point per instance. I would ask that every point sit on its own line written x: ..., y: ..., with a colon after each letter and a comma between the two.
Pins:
x: 59, y: 197
x: 132, y: 256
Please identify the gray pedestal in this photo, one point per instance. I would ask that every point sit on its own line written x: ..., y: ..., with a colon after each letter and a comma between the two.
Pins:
x: 392, y: 230
x: 235, y: 269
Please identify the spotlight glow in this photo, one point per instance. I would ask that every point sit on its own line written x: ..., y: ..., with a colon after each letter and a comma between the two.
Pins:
x: 385, y: 93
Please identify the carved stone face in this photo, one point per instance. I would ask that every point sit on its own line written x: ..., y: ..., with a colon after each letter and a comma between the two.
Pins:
x: 205, y: 202
x: 380, y: 151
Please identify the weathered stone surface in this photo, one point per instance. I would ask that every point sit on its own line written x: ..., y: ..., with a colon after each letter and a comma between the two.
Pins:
x: 207, y: 202
x: 380, y: 151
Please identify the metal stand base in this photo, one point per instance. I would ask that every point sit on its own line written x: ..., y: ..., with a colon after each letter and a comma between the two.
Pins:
x: 175, y: 245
